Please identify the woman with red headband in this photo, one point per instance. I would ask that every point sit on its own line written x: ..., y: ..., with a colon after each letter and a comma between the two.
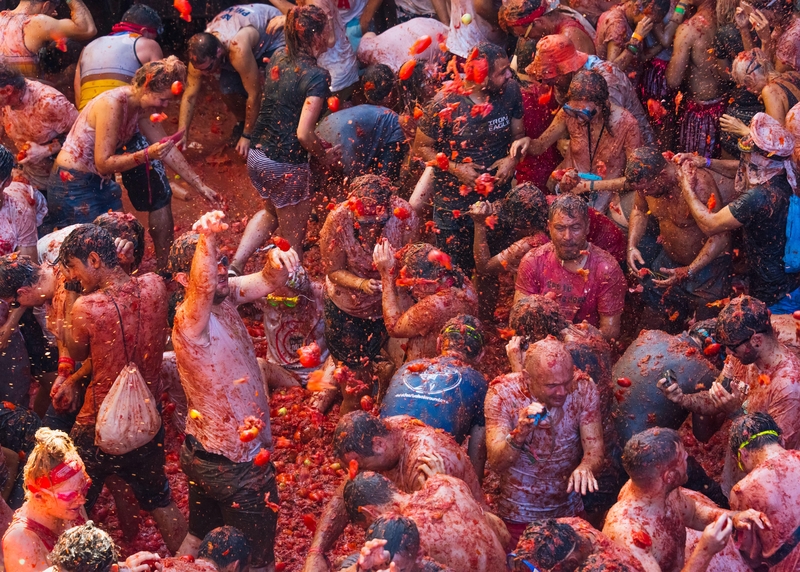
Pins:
x: 56, y: 484
x: 528, y: 20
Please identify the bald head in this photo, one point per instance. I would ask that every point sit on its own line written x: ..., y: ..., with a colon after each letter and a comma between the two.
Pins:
x: 551, y: 370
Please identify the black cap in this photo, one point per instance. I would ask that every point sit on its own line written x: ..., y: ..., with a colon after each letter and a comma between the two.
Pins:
x: 741, y: 319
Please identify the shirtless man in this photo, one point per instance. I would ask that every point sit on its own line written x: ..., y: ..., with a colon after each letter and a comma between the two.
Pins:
x: 118, y: 319
x: 652, y: 513
x: 769, y: 487
x: 692, y: 269
x: 228, y: 424
x: 545, y: 412
x: 29, y: 27
x: 431, y: 294
x: 37, y: 118
x: 235, y: 44
x: 760, y: 375
x: 568, y: 543
x: 446, y: 392
x: 693, y: 60
x: 400, y: 448
x: 442, y: 508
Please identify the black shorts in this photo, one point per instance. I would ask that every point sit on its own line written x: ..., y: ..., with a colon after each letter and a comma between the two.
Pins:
x: 350, y: 339
x: 144, y: 197
x: 142, y: 468
x: 222, y: 492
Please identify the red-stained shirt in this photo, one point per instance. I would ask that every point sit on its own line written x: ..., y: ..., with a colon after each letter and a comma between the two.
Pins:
x: 600, y: 293
x: 142, y: 302
x: 788, y: 46
x: 775, y: 391
x: 337, y: 238
x: 43, y: 114
x: 537, y: 119
x: 420, y: 440
x: 604, y: 233
x: 535, y: 490
x: 612, y: 26
x: 17, y: 219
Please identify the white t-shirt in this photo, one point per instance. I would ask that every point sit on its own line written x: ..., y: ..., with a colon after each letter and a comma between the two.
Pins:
x: 350, y: 9
x: 50, y: 244
x: 463, y: 37
x: 391, y: 47
x: 418, y: 7
x: 17, y: 218
x: 340, y: 60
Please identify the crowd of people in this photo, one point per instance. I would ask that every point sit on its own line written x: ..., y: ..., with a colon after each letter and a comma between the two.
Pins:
x: 523, y: 254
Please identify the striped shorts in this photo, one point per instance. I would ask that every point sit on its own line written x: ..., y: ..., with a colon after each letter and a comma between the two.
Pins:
x: 283, y: 184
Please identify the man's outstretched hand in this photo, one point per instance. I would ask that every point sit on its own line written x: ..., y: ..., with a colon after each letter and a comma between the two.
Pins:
x: 210, y: 223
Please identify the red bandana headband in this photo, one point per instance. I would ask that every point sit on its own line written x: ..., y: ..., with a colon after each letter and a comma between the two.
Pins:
x: 60, y: 473
x: 538, y: 13
x: 132, y: 28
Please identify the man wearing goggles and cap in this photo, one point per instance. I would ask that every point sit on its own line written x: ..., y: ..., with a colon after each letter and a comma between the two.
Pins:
x: 764, y: 180
x: 770, y: 487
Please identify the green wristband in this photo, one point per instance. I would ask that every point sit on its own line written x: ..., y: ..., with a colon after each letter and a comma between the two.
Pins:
x: 680, y: 10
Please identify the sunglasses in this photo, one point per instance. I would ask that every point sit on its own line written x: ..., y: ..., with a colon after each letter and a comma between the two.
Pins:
x: 71, y: 495
x: 288, y: 301
x: 736, y: 346
x: 584, y: 114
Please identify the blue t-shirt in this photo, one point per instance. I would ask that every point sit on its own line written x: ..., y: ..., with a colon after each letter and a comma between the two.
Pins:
x: 447, y: 394
x: 363, y: 131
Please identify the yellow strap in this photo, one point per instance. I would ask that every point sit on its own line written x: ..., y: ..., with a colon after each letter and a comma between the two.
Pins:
x: 93, y: 88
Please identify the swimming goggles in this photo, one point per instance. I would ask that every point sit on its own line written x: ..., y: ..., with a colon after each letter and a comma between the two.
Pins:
x: 580, y: 114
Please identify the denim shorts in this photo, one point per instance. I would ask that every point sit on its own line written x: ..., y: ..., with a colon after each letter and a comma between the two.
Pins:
x: 81, y: 198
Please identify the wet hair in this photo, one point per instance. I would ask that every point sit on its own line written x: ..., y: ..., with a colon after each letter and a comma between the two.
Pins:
x: 745, y: 427
x: 463, y: 333
x: 515, y: 11
x: 399, y: 532
x: 225, y: 545
x: 181, y: 252
x: 126, y: 226
x: 598, y: 563
x: 545, y: 543
x: 7, y: 161
x: 84, y: 548
x: 748, y: 62
x: 525, y: 52
x: 355, y: 432
x: 303, y: 25
x: 525, y: 206
x: 535, y: 317
x: 741, y: 319
x: 84, y: 240
x: 379, y: 80
x: 159, y: 75
x: 657, y: 7
x: 203, y: 47
x: 51, y: 449
x: 587, y: 85
x: 12, y: 77
x: 366, y: 489
x: 646, y: 453
x: 484, y: 51
x: 376, y: 188
x: 143, y: 15
x: 571, y: 205
x: 415, y: 263
x: 644, y: 165
x: 16, y: 272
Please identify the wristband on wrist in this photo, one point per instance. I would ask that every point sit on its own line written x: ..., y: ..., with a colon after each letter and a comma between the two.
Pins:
x: 510, y: 441
x: 67, y: 360
x: 633, y: 49
x: 637, y: 37
x: 247, y: 136
x: 708, y: 162
x: 680, y: 10
x: 591, y: 186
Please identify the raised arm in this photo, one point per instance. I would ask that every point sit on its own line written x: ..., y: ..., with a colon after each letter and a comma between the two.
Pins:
x: 194, y: 81
x: 194, y: 313
x: 243, y: 61
x: 710, y: 223
x: 276, y: 271
x: 43, y: 29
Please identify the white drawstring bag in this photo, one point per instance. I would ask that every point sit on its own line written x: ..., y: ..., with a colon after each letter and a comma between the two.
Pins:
x: 127, y: 418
